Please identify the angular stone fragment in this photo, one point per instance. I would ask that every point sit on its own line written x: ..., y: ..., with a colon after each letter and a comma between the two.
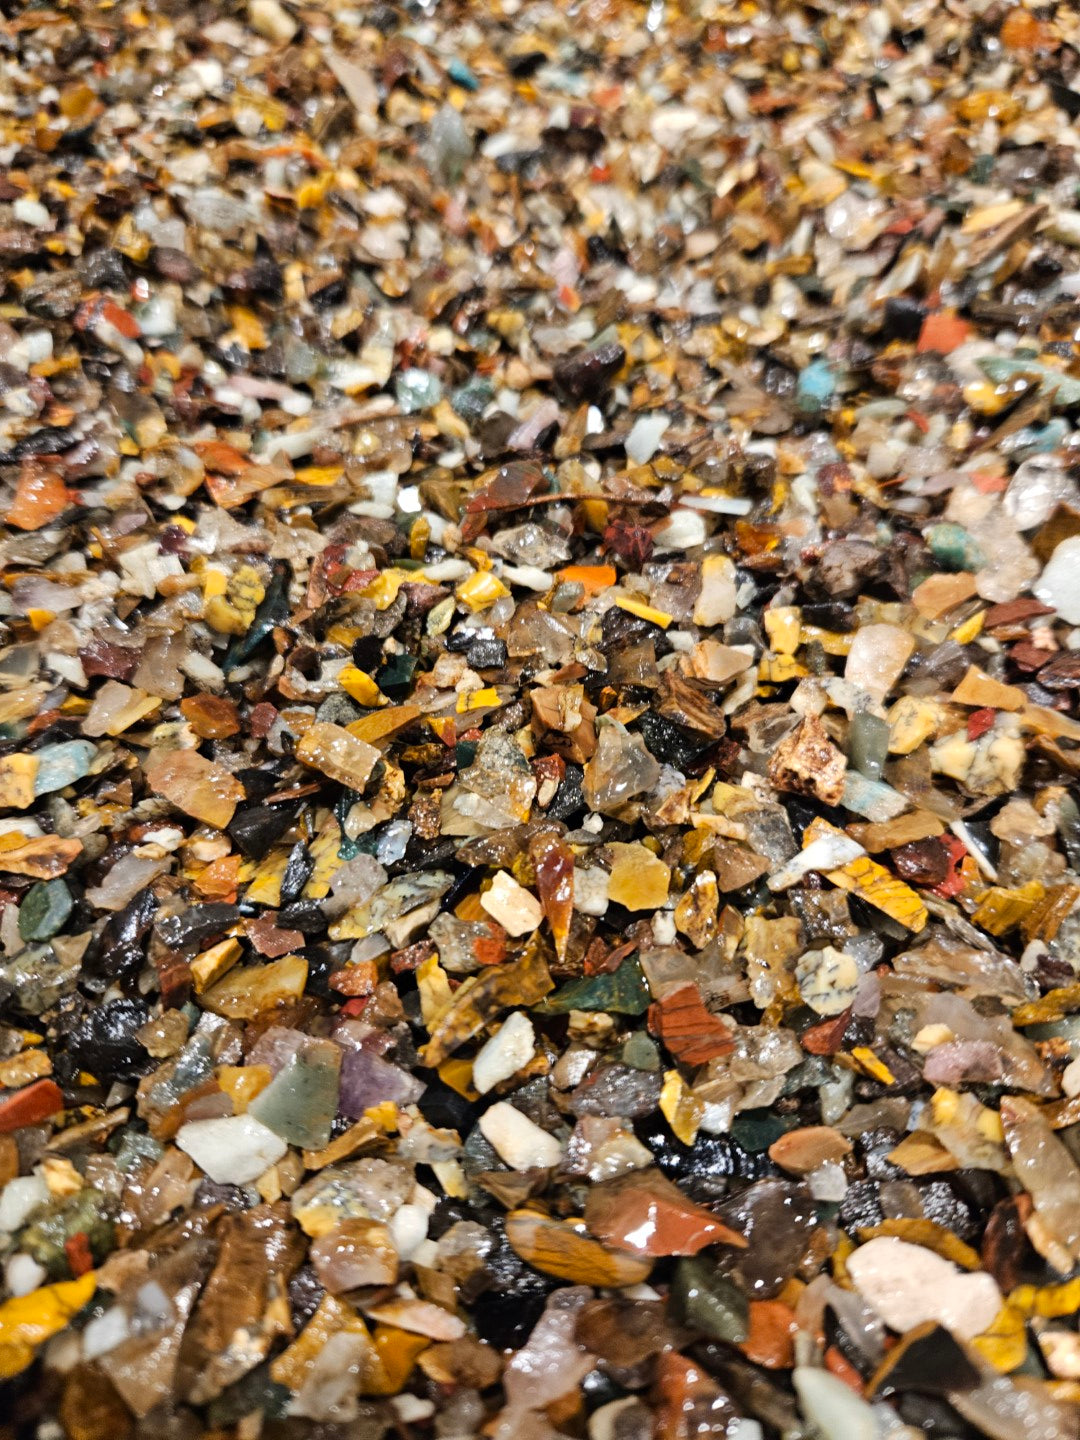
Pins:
x: 512, y: 1046
x: 233, y: 1150
x: 639, y: 879
x: 29, y: 1105
x: 117, y: 708
x: 620, y: 769
x: 803, y: 1150
x: 516, y: 909
x: 927, y: 1358
x: 211, y: 716
x: 690, y: 1032
x: 17, y: 773
x: 938, y: 594
x: 873, y: 883
x: 354, y: 1359
x: 479, y: 999
x: 44, y: 910
x: 212, y: 964
x: 891, y: 834
x: 195, y: 785
x: 563, y: 1248
x: 516, y: 1140
x: 696, y: 912
x: 877, y: 658
x: 908, y: 1285
x: 356, y: 1253
x: 381, y: 726
x: 419, y: 1317
x: 301, y: 1101
x: 807, y: 762
x: 235, y: 1322
x: 828, y: 980
x: 828, y: 850
x: 646, y: 1213
x: 27, y: 1321
x: 338, y: 754
x: 982, y: 691
x: 710, y: 660
x: 248, y: 991
x: 832, y: 1407
x: 912, y: 721
x: 622, y: 991
x: 1049, y: 1174
x: 716, y: 602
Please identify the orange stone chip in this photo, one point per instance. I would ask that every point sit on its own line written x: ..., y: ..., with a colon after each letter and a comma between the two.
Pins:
x: 645, y: 1212
x: 801, y: 1151
x: 771, y: 1338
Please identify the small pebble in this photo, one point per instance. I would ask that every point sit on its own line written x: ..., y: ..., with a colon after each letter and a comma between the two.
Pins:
x: 233, y: 1150
x: 516, y: 910
x: 516, y: 1140
x: 509, y: 1049
x: 908, y: 1284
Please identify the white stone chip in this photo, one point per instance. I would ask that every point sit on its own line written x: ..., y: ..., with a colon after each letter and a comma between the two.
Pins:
x: 1059, y: 584
x: 591, y: 890
x: 516, y: 909
x: 517, y: 1141
x: 32, y: 212
x: 907, y: 1284
x: 718, y: 599
x: 231, y: 1149
x: 827, y: 852
x: 833, y: 1408
x: 877, y: 657
x: 19, y: 1199
x: 645, y: 436
x: 408, y: 1228
x: 682, y: 530
x: 511, y: 1047
x: 23, y: 1274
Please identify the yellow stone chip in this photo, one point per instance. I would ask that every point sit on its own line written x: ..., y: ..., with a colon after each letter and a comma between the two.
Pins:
x: 782, y: 625
x: 643, y: 611
x: 778, y: 669
x: 984, y: 692
x: 639, y: 879
x: 481, y: 590
x: 1005, y: 1344
x: 872, y: 883
x: 245, y: 993
x: 380, y: 728
x: 1000, y: 909
x: 872, y: 1066
x: 17, y: 773
x: 680, y: 1107
x: 27, y: 1321
x: 912, y: 721
x: 397, y: 1352
x: 212, y: 964
x: 477, y: 699
x: 361, y: 687
x: 243, y: 1082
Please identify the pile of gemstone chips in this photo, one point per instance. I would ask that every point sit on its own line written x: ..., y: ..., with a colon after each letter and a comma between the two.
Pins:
x: 540, y: 837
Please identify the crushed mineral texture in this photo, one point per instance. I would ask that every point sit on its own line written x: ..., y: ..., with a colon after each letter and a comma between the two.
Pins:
x: 540, y: 720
